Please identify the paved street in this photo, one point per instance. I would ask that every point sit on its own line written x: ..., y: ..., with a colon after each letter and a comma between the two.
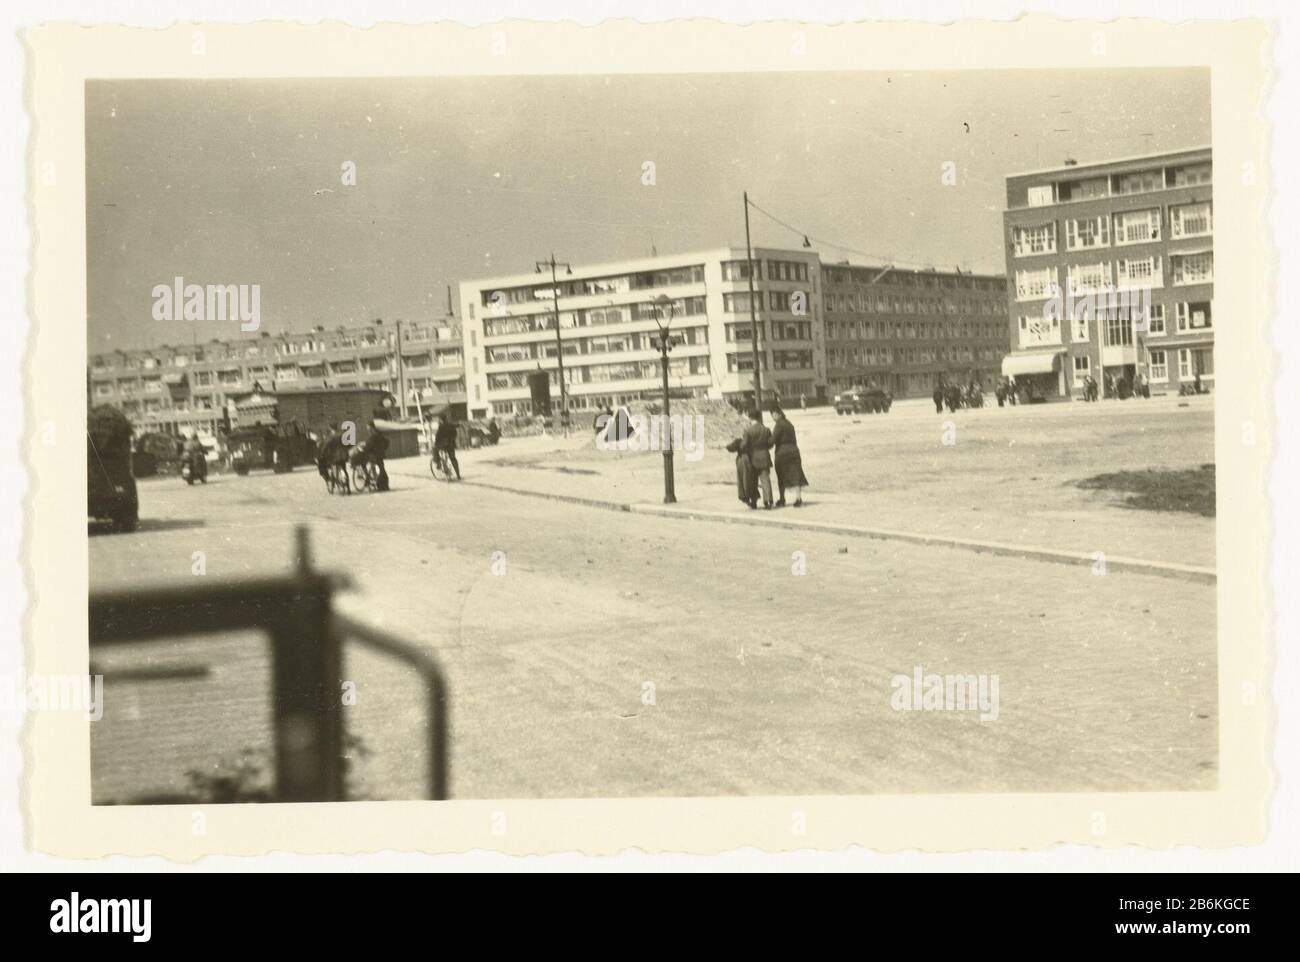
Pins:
x: 764, y: 681
x: 1008, y: 475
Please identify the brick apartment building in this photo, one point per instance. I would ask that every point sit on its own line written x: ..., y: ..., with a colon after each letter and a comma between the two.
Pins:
x: 1110, y: 271
x: 176, y: 389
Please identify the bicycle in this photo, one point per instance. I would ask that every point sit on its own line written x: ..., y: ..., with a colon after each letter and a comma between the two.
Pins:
x: 440, y: 465
x: 336, y: 479
x: 365, y: 476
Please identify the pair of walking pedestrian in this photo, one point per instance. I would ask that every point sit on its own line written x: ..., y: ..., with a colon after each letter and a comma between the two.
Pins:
x: 754, y: 461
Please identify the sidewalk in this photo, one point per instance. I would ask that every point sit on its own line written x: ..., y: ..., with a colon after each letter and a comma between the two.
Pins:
x: 1007, y: 480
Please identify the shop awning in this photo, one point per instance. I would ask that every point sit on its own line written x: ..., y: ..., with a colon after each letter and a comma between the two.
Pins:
x: 1043, y: 362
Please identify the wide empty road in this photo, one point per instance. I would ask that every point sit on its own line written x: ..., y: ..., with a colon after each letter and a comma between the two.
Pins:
x: 599, y: 653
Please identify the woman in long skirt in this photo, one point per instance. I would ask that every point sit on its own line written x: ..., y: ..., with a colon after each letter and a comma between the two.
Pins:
x: 787, y: 460
x: 746, y: 483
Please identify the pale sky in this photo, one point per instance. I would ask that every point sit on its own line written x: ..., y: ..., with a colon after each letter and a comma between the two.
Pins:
x: 239, y: 182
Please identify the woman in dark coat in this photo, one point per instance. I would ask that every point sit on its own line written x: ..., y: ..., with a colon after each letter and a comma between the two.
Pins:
x: 746, y: 481
x: 788, y: 463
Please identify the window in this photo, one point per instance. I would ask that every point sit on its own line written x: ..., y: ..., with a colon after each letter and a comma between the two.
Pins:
x: 1119, y: 331
x: 741, y: 333
x: 1191, y: 176
x: 1086, y: 232
x: 1193, y: 268
x: 1082, y: 364
x: 1040, y: 196
x: 1079, y: 326
x: 1195, y: 316
x: 739, y: 270
x: 785, y: 271
x: 1084, y: 278
x: 792, y: 331
x: 1156, y: 320
x: 1036, y: 331
x: 1139, y: 272
x: 1141, y: 182
x: 1159, y: 365
x: 1190, y: 220
x: 739, y: 303
x: 1030, y: 285
x: 1085, y: 189
x: 1137, y: 226
x: 1040, y: 239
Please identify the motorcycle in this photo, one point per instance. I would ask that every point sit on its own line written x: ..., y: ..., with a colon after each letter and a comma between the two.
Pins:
x: 194, y: 468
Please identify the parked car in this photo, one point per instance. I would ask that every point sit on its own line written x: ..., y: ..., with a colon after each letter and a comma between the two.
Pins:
x: 871, y: 400
x: 156, y: 454
x: 474, y: 434
x: 110, y: 483
x: 850, y: 402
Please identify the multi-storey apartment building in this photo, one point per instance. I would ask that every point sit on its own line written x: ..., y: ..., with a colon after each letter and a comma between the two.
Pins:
x: 1110, y: 271
x: 803, y: 309
x: 907, y: 330
x: 608, y: 317
x: 175, y: 389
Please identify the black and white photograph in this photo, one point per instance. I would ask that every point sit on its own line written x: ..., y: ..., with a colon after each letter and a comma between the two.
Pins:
x: 610, y: 436
x: 689, y: 437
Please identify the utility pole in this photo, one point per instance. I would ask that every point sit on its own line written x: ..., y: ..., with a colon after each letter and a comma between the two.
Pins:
x: 559, y: 344
x: 665, y: 345
x: 401, y: 374
x: 753, y: 318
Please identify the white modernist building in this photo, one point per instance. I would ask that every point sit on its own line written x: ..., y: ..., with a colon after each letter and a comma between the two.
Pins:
x: 609, y: 316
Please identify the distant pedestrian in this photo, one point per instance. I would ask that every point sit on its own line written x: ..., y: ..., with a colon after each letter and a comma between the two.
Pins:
x: 938, y: 398
x: 803, y: 402
x: 758, y: 440
x: 789, y: 463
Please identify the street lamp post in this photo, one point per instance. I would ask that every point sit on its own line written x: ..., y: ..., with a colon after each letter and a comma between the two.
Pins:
x: 665, y: 345
x: 559, y: 345
x: 753, y: 318
x: 401, y: 374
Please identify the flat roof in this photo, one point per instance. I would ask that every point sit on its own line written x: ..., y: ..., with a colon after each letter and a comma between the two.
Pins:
x: 634, y: 265
x: 1064, y: 168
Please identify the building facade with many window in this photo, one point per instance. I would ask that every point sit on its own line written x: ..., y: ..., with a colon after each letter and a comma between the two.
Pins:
x: 176, y: 389
x: 1110, y: 272
x: 816, y: 333
x: 907, y: 330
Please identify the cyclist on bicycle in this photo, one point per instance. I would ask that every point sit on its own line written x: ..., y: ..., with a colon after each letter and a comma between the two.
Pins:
x: 376, y: 448
x: 445, y: 441
x: 330, y: 451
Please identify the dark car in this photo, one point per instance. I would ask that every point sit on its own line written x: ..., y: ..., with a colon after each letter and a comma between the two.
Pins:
x: 474, y: 434
x: 878, y: 401
x: 871, y: 400
x: 156, y: 454
x: 110, y: 482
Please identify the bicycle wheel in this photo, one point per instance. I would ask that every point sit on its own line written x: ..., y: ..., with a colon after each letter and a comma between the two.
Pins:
x: 439, y: 467
x: 363, y: 476
x: 341, y: 480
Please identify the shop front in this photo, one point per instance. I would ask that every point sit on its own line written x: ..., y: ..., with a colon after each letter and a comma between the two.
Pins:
x: 1038, y: 375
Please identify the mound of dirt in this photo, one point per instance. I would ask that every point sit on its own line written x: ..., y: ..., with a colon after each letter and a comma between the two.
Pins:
x: 718, y: 421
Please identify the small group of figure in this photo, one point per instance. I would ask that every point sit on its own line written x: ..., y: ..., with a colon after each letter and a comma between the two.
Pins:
x: 1123, y: 388
x: 1006, y: 392
x: 954, y: 397
x: 757, y: 450
x: 1090, y: 389
x: 332, y: 450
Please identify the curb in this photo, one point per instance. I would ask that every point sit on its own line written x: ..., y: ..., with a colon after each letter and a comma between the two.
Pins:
x: 1144, y: 566
x: 1159, y: 569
